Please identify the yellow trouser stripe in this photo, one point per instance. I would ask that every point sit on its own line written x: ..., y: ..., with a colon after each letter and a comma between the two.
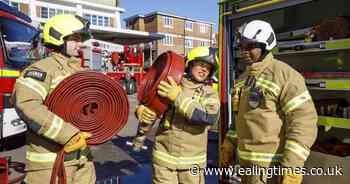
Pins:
x: 260, y: 157
x: 179, y: 160
x: 55, y: 128
x: 297, y: 149
x: 34, y: 85
x: 296, y: 102
x: 41, y: 157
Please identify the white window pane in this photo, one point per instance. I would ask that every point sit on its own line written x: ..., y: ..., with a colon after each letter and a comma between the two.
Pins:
x: 52, y: 12
x: 59, y: 11
x: 106, y: 21
x: 100, y: 20
x: 94, y: 20
x: 44, y: 12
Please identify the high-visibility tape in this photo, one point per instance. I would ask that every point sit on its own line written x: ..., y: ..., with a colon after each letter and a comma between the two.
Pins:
x: 272, y: 87
x: 10, y: 73
x: 179, y: 160
x: 297, y: 149
x: 41, y: 157
x: 34, y: 85
x: 55, y: 128
x: 260, y: 157
x: 296, y: 102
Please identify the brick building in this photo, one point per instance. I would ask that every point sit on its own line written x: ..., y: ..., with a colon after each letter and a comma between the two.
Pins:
x: 180, y: 33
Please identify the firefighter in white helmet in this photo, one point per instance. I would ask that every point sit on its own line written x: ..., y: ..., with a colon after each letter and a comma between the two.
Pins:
x: 181, y: 139
x: 48, y: 132
x: 275, y: 115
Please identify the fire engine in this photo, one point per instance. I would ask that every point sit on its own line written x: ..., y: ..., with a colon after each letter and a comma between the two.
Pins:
x: 16, y: 39
x: 313, y: 38
x: 122, y: 63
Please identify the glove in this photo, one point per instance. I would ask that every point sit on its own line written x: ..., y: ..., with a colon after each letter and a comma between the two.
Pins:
x: 77, y: 142
x: 227, y: 153
x: 169, y: 89
x: 291, y: 178
x: 145, y: 114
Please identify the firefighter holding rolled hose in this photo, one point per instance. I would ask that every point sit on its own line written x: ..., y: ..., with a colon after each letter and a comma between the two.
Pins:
x: 181, y: 139
x: 48, y: 132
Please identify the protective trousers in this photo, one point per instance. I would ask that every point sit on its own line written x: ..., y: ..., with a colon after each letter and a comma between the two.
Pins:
x: 164, y: 175
x: 256, y: 175
x: 76, y: 174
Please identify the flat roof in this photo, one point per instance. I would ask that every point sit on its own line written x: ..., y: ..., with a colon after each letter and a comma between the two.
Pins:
x: 124, y: 36
x: 131, y: 18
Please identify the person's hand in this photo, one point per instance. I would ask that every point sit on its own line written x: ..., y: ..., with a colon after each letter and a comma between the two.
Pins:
x: 169, y: 89
x: 227, y: 153
x: 145, y: 114
x: 77, y: 142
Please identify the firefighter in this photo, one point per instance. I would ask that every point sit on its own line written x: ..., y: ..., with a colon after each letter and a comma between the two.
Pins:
x: 181, y: 139
x: 48, y: 132
x: 275, y: 115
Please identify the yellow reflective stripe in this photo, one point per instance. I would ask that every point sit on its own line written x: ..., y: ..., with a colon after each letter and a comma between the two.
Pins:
x: 41, y: 157
x: 55, y: 128
x: 260, y: 157
x: 210, y: 101
x: 34, y: 85
x: 57, y: 80
x: 296, y: 102
x: 274, y: 88
x: 9, y: 73
x: 185, y: 104
x: 179, y: 160
x: 239, y: 84
x: 297, y: 149
x: 231, y: 134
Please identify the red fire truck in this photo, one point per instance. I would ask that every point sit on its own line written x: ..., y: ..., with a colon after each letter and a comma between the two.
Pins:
x: 15, y: 47
x: 122, y: 63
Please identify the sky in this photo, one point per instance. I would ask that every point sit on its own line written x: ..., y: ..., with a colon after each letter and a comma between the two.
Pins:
x: 205, y: 10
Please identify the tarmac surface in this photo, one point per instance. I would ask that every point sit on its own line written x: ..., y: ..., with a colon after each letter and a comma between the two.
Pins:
x: 117, y: 163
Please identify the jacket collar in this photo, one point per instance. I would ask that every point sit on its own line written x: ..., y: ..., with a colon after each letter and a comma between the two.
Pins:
x: 65, y: 61
x: 187, y: 83
x: 256, y: 68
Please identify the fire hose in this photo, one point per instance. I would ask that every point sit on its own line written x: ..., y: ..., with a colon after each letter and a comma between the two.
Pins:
x: 167, y: 64
x: 93, y: 103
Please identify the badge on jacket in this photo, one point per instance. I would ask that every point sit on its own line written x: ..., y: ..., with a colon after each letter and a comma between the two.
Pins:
x: 255, y: 97
x: 35, y: 74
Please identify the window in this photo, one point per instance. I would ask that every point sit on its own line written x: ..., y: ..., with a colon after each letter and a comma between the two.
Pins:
x: 17, y: 38
x: 189, y: 25
x: 94, y: 20
x: 168, y: 40
x: 50, y: 12
x: 202, y: 28
x: 106, y: 21
x: 59, y: 12
x: 203, y: 43
x: 98, y: 20
x: 168, y: 21
x: 188, y: 43
x: 44, y: 12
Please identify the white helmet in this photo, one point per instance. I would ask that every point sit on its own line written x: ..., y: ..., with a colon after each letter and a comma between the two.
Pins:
x: 258, y: 31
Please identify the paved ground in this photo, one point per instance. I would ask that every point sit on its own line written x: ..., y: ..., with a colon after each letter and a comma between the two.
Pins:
x: 116, y: 162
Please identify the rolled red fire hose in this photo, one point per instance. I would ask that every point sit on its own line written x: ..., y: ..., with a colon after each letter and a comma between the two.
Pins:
x: 94, y: 103
x: 167, y: 64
